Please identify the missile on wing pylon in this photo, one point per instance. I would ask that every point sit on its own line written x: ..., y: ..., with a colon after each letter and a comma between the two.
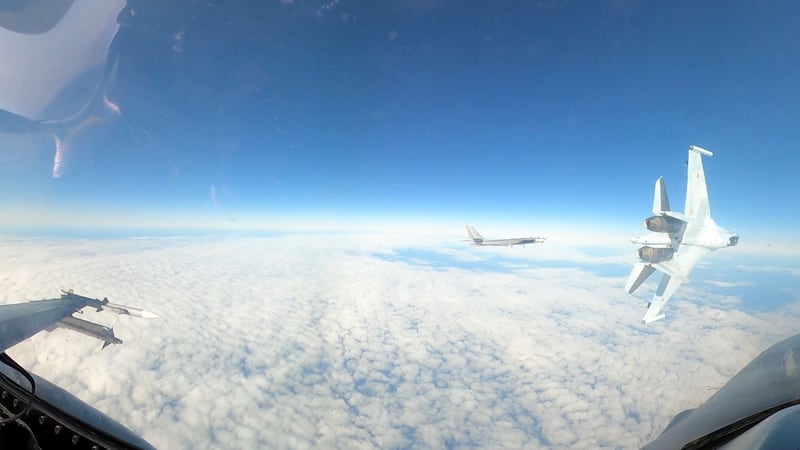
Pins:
x: 91, y: 329
x: 127, y: 310
x: 105, y: 305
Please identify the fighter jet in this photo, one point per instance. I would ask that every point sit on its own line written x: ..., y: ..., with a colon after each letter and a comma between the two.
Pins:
x: 33, y: 409
x: 476, y: 239
x: 678, y: 240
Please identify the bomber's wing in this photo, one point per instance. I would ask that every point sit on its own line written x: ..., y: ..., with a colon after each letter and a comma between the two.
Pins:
x: 21, y: 321
x: 696, y: 190
x: 675, y: 271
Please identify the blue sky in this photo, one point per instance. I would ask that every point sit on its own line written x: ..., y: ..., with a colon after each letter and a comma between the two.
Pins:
x: 519, y: 112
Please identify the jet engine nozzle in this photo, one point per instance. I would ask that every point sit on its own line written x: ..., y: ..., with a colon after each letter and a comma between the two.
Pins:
x: 663, y: 224
x: 655, y: 255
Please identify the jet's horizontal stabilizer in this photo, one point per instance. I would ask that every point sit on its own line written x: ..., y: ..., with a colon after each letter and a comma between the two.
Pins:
x: 639, y: 274
x: 660, y: 199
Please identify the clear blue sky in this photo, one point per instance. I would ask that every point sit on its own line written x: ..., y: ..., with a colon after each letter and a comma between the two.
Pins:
x: 525, y: 110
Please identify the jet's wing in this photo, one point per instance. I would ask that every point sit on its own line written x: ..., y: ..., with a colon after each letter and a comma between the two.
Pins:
x: 696, y: 190
x: 675, y: 271
x: 21, y: 321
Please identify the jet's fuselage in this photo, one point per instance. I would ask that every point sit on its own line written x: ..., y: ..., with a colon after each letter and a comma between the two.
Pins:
x: 709, y: 235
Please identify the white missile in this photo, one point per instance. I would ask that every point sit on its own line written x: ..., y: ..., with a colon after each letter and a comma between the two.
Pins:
x: 127, y: 310
x: 105, y: 305
x: 92, y: 329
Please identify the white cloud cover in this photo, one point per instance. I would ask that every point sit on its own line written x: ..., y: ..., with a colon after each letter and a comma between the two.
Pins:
x: 728, y: 284
x: 793, y: 271
x: 301, y: 341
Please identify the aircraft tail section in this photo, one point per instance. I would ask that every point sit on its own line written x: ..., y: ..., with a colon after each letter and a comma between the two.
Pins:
x: 696, y: 190
x: 476, y: 237
x: 660, y: 199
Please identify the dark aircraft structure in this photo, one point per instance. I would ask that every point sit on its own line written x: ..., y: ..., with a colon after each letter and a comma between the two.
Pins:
x: 759, y: 408
x: 35, y: 413
x: 56, y: 73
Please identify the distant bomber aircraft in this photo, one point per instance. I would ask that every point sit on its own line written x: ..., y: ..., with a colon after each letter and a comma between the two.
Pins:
x: 679, y: 240
x: 477, y: 239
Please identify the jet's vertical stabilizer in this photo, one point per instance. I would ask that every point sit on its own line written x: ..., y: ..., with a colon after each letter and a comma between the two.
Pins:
x: 696, y: 189
x: 638, y: 275
x: 660, y: 199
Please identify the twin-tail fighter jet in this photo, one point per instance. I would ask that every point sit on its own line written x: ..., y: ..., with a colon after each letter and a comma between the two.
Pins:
x: 677, y: 241
x: 475, y: 238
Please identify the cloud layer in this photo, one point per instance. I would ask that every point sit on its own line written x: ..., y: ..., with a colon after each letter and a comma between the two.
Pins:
x: 301, y: 341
